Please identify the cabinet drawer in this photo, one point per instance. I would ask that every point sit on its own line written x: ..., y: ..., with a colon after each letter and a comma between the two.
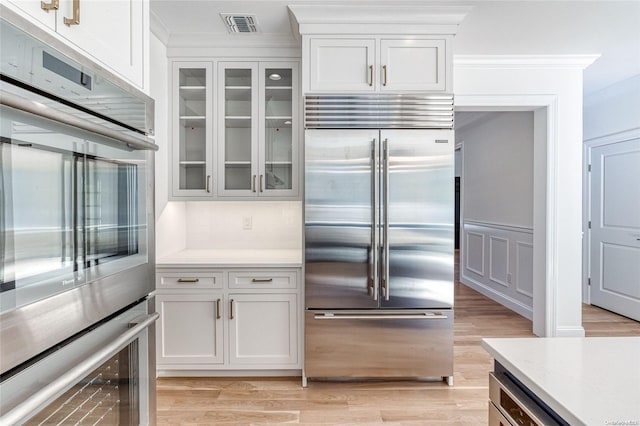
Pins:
x: 263, y: 279
x: 189, y: 280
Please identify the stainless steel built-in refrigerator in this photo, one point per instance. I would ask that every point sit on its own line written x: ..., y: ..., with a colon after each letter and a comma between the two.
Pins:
x: 379, y: 236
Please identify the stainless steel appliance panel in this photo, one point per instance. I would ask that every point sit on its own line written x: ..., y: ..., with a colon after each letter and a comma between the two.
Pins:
x: 339, y: 216
x: 516, y: 405
x: 76, y: 383
x: 368, y: 344
x: 417, y: 219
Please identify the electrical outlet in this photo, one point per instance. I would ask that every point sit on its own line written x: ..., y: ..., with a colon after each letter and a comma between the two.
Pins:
x: 247, y: 222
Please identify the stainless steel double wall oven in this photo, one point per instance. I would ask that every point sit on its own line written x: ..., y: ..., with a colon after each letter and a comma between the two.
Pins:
x: 76, y: 237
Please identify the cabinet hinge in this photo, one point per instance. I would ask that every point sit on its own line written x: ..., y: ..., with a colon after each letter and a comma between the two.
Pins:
x: 589, y: 224
x: 589, y: 168
x: 589, y: 281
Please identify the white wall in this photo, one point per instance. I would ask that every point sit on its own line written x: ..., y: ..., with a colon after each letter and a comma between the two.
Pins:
x: 613, y: 110
x: 219, y: 225
x: 498, y: 169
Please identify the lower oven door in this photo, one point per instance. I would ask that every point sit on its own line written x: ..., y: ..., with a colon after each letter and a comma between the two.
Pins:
x: 105, y: 376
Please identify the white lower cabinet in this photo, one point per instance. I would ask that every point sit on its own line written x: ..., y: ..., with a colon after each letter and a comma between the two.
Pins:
x: 190, y: 329
x: 263, y: 329
x: 234, y: 320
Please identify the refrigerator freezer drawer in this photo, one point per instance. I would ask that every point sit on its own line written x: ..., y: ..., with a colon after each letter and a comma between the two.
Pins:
x: 379, y: 344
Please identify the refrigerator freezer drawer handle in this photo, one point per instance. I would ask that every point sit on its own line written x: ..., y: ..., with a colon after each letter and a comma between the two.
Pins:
x: 380, y: 317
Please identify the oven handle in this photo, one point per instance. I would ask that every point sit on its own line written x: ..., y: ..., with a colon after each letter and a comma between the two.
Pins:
x: 36, y: 108
x: 32, y: 404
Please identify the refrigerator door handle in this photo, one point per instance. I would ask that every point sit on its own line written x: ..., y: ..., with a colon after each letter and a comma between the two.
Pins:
x: 385, y: 229
x: 374, y: 284
x: 339, y: 316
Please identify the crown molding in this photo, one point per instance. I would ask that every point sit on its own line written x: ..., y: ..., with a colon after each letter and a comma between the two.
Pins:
x: 158, y: 28
x: 377, y: 19
x: 523, y: 61
x: 215, y: 40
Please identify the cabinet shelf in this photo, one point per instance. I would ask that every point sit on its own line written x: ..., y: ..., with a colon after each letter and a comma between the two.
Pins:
x: 278, y: 122
x: 193, y: 93
x: 278, y: 163
x: 192, y: 121
x: 237, y: 163
x: 192, y: 163
x: 237, y: 121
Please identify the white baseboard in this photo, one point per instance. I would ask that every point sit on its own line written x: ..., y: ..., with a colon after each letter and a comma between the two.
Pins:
x: 569, y: 332
x: 227, y: 373
x: 500, y: 298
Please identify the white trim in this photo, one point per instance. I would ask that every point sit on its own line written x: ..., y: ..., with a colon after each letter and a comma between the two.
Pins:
x: 503, y: 226
x: 623, y: 136
x: 569, y: 332
x: 158, y: 28
x: 517, y: 283
x: 523, y: 61
x: 208, y: 372
x: 545, y: 323
x: 505, y: 261
x: 501, y: 298
x: 466, y: 255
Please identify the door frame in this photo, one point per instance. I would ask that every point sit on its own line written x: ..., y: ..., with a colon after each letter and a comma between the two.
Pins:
x: 588, y: 145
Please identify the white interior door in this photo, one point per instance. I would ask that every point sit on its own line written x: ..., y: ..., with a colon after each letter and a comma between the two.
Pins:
x: 615, y: 227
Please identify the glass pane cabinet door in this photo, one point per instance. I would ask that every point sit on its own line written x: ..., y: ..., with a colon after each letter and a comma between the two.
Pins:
x: 278, y: 126
x: 193, y: 175
x: 238, y: 109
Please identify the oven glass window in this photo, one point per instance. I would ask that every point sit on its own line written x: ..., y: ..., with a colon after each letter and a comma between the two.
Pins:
x: 72, y: 208
x: 109, y: 395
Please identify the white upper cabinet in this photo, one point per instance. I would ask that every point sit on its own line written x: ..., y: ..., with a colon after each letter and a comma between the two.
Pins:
x: 192, y: 166
x: 342, y: 65
x: 257, y: 129
x: 412, y: 65
x: 381, y: 64
x: 110, y: 31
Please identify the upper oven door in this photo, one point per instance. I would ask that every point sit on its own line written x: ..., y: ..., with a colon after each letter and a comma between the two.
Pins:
x: 76, y: 223
x: 73, y: 208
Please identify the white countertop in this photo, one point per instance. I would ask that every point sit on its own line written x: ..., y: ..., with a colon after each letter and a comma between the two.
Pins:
x: 232, y: 258
x: 590, y: 381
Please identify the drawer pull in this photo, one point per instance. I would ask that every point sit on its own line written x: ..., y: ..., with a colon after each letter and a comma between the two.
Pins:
x: 218, y: 309
x: 262, y: 280
x: 188, y: 280
x: 231, y: 309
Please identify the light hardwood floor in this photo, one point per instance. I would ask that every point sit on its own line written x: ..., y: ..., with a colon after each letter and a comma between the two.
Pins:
x: 253, y: 401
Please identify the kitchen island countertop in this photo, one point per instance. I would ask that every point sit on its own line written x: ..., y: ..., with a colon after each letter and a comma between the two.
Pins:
x: 232, y: 258
x: 590, y: 381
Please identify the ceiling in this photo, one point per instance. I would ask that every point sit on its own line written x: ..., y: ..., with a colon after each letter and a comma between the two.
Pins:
x: 608, y: 28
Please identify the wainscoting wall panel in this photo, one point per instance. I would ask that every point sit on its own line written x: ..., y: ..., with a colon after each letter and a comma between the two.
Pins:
x: 506, y: 253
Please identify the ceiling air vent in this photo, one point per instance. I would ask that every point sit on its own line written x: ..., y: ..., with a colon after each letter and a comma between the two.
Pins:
x: 240, y: 23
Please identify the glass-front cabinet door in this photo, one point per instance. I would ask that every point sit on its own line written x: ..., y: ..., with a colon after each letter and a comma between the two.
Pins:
x: 192, y: 129
x: 257, y: 134
x: 279, y: 129
x: 237, y: 134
